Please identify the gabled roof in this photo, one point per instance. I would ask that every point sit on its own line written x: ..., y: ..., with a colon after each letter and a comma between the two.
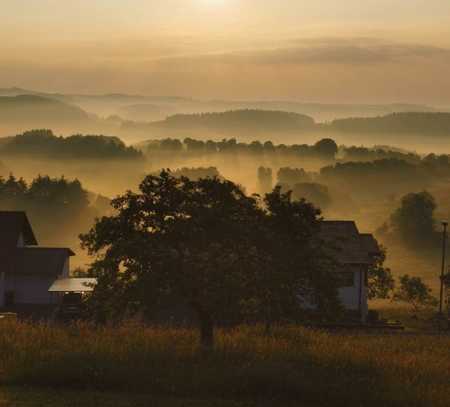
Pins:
x: 12, y: 224
x: 346, y: 244
x: 40, y: 260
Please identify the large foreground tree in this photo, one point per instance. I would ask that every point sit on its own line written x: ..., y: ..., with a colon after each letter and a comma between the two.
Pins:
x: 226, y: 255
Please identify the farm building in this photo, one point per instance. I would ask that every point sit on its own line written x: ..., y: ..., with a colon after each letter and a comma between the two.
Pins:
x: 34, y: 277
x: 27, y: 271
x: 355, y: 252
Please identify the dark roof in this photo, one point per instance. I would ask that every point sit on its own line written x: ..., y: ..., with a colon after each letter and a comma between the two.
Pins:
x: 12, y: 224
x: 370, y: 243
x: 40, y: 260
x: 346, y: 244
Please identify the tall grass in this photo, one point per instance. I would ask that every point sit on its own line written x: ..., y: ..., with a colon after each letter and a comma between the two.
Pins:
x: 290, y: 364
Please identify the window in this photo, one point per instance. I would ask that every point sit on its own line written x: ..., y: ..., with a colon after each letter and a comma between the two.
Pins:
x: 346, y: 279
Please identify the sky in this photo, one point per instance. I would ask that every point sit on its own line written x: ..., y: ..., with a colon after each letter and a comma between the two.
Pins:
x: 348, y: 51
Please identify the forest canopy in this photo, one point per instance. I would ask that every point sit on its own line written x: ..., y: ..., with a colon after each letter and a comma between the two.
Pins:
x: 43, y: 143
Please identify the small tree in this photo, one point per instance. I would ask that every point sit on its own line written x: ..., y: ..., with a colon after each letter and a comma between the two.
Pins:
x: 265, y: 180
x: 318, y: 194
x: 414, y: 221
x: 326, y: 148
x: 381, y: 281
x: 415, y: 292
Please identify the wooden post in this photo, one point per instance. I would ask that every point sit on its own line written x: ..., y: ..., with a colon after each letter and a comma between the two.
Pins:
x: 444, y: 247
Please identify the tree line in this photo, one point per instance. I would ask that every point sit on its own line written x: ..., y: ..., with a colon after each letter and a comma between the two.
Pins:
x: 396, y: 123
x: 43, y: 143
x: 325, y: 148
x: 56, y: 206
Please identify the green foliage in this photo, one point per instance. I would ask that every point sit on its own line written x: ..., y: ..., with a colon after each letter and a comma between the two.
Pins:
x: 415, y: 292
x: 209, y: 245
x: 414, y: 220
x: 381, y: 282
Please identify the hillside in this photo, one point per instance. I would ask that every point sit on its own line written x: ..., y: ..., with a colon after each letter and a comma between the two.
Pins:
x: 143, y: 108
x: 237, y: 123
x: 18, y: 113
x: 398, y: 123
x: 61, y: 113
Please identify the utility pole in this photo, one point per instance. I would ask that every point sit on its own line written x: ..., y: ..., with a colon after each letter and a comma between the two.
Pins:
x: 444, y: 247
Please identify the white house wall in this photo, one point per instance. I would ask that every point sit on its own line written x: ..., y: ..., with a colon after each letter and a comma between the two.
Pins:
x: 355, y: 298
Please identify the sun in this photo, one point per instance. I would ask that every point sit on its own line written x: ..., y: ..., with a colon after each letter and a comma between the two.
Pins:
x: 213, y: 3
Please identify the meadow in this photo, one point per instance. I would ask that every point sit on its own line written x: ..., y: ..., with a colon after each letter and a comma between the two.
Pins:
x: 288, y: 366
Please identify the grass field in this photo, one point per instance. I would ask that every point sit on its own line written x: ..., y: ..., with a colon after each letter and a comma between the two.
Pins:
x: 41, y: 397
x: 291, y: 366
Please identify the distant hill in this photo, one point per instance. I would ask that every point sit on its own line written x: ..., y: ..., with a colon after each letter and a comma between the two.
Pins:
x: 397, y: 123
x: 238, y: 123
x: 160, y: 108
x: 151, y: 108
x: 414, y: 131
x: 144, y: 117
x: 19, y: 113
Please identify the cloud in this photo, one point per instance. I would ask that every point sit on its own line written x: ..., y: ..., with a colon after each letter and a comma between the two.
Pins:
x: 358, y: 51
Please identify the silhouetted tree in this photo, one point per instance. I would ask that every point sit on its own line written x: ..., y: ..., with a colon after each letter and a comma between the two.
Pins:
x: 208, y: 244
x: 326, y: 148
x: 315, y: 193
x: 55, y: 205
x: 381, y: 282
x: 44, y: 143
x: 265, y: 179
x: 415, y: 292
x: 414, y: 221
x: 195, y: 174
x: 292, y: 176
x: 171, y: 145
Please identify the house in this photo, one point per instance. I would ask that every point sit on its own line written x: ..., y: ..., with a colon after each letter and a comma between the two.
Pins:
x: 27, y: 271
x: 355, y: 252
x: 34, y: 278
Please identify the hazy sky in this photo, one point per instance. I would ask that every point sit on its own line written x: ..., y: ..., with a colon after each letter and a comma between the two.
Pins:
x: 311, y: 50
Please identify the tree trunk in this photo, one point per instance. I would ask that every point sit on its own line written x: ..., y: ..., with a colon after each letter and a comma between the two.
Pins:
x: 206, y: 333
x: 206, y: 328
